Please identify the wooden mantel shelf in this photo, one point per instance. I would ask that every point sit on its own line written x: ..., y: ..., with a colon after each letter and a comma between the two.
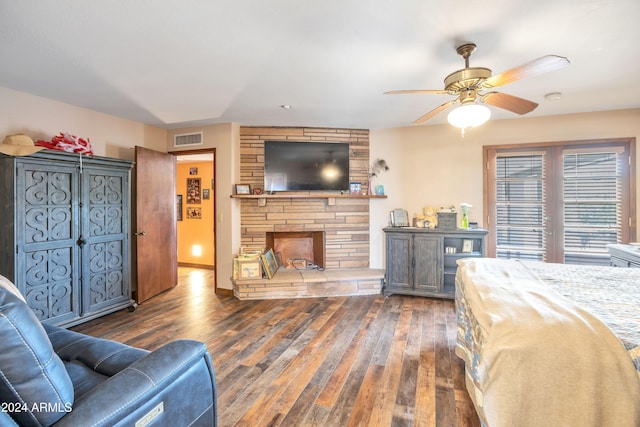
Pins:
x: 331, y: 197
x: 308, y: 196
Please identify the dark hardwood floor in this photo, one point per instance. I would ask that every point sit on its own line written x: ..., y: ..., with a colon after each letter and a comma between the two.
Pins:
x: 339, y: 361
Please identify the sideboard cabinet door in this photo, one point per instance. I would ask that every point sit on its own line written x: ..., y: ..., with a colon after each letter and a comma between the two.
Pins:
x: 427, y: 272
x: 399, y: 271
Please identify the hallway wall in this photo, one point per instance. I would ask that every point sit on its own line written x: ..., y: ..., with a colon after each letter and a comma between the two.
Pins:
x: 196, y: 230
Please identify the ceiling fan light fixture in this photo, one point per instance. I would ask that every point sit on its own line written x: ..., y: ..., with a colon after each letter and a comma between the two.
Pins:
x: 469, y: 116
x: 470, y: 83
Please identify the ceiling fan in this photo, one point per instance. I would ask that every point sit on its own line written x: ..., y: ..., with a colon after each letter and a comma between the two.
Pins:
x: 472, y: 87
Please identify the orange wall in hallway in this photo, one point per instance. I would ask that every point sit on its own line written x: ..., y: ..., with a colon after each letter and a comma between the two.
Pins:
x: 196, y: 232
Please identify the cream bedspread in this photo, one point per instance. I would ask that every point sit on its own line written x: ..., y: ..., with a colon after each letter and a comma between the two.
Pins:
x: 534, y: 358
x: 611, y: 294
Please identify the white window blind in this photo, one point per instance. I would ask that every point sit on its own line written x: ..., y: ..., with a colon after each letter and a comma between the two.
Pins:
x: 592, y: 196
x: 520, y: 207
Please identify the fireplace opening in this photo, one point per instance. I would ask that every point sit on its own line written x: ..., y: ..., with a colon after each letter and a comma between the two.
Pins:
x: 298, y: 249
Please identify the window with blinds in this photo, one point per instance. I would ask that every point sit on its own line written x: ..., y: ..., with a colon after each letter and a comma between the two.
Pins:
x: 592, y: 205
x: 520, y: 207
x: 559, y: 202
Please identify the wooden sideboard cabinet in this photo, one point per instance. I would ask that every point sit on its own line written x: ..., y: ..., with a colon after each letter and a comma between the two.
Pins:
x: 624, y: 256
x: 65, y: 234
x: 421, y: 261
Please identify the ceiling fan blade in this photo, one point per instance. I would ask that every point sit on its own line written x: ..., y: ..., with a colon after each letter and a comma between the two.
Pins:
x: 509, y: 102
x: 530, y: 69
x: 434, y: 112
x: 423, y: 91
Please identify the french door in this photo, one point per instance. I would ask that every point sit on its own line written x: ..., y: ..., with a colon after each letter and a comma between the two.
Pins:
x: 561, y: 202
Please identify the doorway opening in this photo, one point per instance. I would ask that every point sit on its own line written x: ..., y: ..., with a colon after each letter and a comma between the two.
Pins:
x: 196, y: 209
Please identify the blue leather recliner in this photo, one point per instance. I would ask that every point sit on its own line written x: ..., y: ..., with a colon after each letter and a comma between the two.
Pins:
x: 51, y: 376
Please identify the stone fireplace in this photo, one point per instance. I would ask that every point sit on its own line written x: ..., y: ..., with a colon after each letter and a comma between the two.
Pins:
x: 344, y: 221
x: 330, y: 230
x: 298, y: 247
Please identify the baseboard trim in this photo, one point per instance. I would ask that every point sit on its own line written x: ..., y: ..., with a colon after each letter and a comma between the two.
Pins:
x: 188, y: 264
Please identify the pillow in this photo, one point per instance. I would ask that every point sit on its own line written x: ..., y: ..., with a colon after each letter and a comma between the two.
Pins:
x: 9, y: 286
x: 34, y: 385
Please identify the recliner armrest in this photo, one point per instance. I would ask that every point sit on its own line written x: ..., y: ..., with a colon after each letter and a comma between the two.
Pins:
x: 131, y: 393
x: 101, y: 355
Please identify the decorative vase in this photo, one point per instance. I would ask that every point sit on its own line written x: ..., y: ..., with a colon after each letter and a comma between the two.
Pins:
x: 465, y: 220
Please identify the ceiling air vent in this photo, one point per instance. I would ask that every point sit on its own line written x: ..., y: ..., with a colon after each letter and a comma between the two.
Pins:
x: 187, y: 139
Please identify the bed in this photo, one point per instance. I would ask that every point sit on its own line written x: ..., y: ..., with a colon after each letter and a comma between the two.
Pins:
x: 549, y: 344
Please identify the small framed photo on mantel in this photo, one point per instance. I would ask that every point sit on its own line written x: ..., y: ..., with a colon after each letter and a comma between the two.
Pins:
x: 243, y: 189
x: 355, y: 188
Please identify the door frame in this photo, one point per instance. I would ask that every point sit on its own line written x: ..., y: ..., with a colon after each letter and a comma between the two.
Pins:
x: 215, y: 205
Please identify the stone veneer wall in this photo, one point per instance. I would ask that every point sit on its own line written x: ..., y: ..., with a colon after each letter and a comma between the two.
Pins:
x: 345, y: 221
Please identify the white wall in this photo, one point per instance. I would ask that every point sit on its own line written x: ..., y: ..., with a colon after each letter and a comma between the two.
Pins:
x: 434, y: 166
x: 42, y: 118
x: 225, y: 138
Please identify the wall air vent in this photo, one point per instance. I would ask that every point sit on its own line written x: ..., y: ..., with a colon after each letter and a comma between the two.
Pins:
x: 187, y: 139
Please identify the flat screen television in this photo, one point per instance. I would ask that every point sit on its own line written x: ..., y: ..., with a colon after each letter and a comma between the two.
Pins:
x: 306, y: 166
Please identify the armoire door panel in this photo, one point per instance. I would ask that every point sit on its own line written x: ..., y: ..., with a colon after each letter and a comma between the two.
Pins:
x: 46, y: 239
x: 104, y: 230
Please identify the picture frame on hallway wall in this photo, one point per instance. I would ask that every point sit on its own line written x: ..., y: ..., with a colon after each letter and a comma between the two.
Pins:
x: 194, y: 213
x: 205, y: 194
x: 179, y: 207
x: 194, y: 191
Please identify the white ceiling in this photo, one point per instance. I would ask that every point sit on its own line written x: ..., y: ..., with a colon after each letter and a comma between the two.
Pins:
x: 177, y: 63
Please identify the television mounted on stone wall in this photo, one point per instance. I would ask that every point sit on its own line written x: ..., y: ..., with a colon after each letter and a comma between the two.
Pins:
x: 306, y: 166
